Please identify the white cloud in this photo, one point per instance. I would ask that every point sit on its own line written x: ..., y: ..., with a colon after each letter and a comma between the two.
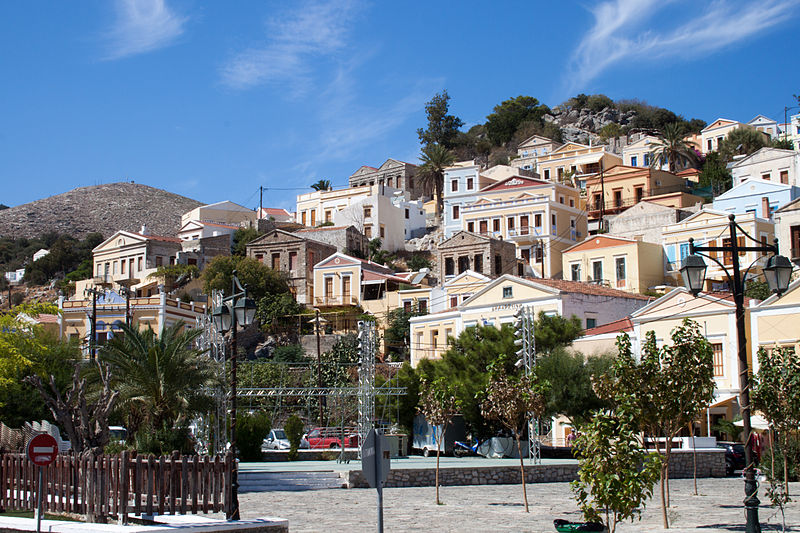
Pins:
x: 142, y: 26
x: 310, y: 31
x: 620, y: 32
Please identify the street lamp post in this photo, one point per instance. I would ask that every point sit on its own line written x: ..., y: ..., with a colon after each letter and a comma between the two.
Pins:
x: 777, y: 272
x: 234, y: 310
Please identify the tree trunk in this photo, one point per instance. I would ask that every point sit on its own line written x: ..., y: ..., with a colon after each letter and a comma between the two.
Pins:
x: 694, y: 458
x: 667, y: 454
x: 663, y: 489
x: 785, y: 463
x: 438, y: 454
x: 522, y: 472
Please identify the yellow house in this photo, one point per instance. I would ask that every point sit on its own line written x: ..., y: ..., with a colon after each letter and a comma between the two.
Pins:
x: 625, y: 264
x: 709, y: 227
x: 574, y: 162
x: 541, y: 218
x: 714, y: 133
x: 776, y: 322
x: 496, y: 302
x: 156, y: 312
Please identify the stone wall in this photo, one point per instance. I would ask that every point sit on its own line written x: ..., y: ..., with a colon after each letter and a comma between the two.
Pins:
x: 710, y: 463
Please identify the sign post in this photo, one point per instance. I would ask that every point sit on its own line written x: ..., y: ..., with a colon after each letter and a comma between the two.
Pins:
x: 42, y: 450
x: 375, y: 464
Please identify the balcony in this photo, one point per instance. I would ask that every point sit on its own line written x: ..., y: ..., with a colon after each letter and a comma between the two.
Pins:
x: 336, y: 300
x: 525, y: 232
x: 616, y: 205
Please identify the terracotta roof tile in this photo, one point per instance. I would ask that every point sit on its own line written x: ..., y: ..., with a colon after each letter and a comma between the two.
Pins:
x: 618, y: 326
x: 587, y: 288
x: 158, y: 237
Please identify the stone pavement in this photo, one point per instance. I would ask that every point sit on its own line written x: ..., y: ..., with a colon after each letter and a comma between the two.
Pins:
x: 485, y: 508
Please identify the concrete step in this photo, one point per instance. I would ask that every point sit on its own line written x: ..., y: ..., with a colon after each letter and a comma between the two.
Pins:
x: 273, y: 481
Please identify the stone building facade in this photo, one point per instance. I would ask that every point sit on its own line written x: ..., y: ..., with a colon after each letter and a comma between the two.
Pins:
x: 470, y: 251
x: 294, y: 254
x: 392, y: 173
x: 345, y: 239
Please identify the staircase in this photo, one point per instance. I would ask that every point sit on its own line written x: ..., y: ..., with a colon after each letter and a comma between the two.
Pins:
x: 273, y: 481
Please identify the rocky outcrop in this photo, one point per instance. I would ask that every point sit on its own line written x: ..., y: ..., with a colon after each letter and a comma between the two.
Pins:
x: 100, y: 208
x: 583, y: 125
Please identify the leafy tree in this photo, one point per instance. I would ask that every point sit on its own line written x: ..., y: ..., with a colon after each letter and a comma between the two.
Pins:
x: 669, y: 386
x: 782, y: 143
x: 161, y: 379
x: 293, y: 353
x: 510, y: 114
x: 338, y: 364
x: 251, y: 430
x: 66, y: 255
x: 176, y: 275
x: 570, y: 378
x: 20, y: 339
x: 165, y: 440
x: 259, y: 278
x: 404, y: 408
x: 377, y: 254
x: 510, y: 401
x: 466, y: 365
x: 294, y: 432
x: 758, y: 289
x: 715, y: 174
x: 435, y: 159
x: 616, y: 475
x: 398, y: 331
x: 443, y: 129
x: 673, y: 150
x: 742, y: 141
x: 776, y: 393
x: 438, y: 404
x: 241, y: 238
x: 611, y: 130
x: 274, y: 306
x: 321, y: 185
x: 418, y: 261
x: 553, y: 331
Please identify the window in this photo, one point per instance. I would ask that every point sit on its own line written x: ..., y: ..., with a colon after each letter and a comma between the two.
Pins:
x: 591, y: 323
x: 449, y: 266
x: 619, y: 268
x: 313, y: 217
x: 484, y: 226
x: 785, y: 177
x: 122, y: 267
x: 407, y: 306
x: 523, y: 223
x: 684, y: 251
x: 469, y: 183
x: 406, y: 213
x: 368, y: 232
x: 367, y: 211
x: 597, y: 270
x: 114, y: 267
x: 383, y: 231
x: 454, y: 185
x: 99, y: 269
x: 260, y: 258
x: 159, y: 261
x: 292, y: 260
x: 560, y: 199
x: 471, y: 227
x: 139, y: 264
x: 327, y: 215
x: 276, y: 261
x: 508, y: 292
x: 647, y: 160
x: 537, y: 220
x: 639, y: 192
x: 618, y: 198
x: 477, y: 263
x: 456, y: 212
x: 303, y: 218
x: 496, y: 224
x: 423, y: 306
x: 765, y: 176
x: 498, y: 265
x: 345, y: 290
x: 328, y: 288
x: 553, y: 224
x: 572, y: 202
x: 510, y: 223
x: 633, y: 161
x: 560, y: 172
x: 719, y: 361
x: 454, y: 301
x: 547, y: 173
x: 172, y: 260
x: 434, y: 338
x: 575, y: 272
x: 710, y: 146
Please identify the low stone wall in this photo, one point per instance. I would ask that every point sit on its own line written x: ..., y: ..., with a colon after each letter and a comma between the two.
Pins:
x: 710, y: 463
x: 275, y: 456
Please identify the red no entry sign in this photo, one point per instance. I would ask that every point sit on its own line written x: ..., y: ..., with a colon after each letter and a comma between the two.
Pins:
x: 42, y: 449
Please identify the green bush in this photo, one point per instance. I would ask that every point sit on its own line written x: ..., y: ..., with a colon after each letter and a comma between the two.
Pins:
x: 294, y: 432
x: 293, y: 353
x: 165, y: 440
x: 251, y: 430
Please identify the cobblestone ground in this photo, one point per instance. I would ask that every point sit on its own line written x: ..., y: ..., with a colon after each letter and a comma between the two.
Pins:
x: 499, y: 508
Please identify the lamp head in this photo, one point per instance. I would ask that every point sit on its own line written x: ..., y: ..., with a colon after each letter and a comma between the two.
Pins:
x: 693, y: 272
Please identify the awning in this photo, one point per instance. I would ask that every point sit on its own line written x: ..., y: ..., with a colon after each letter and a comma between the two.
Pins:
x: 756, y: 422
x: 587, y: 159
x: 722, y: 398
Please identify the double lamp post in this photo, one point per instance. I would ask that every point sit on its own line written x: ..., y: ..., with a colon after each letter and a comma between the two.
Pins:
x: 234, y: 310
x: 777, y: 272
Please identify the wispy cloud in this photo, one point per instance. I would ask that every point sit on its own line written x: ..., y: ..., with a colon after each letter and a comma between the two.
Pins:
x: 142, y: 26
x: 314, y: 30
x: 621, y: 31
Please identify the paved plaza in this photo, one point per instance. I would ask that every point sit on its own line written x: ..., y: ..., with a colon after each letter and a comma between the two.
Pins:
x: 499, y: 508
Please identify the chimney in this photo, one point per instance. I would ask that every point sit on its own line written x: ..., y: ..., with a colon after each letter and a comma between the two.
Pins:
x: 765, y: 207
x: 144, y: 229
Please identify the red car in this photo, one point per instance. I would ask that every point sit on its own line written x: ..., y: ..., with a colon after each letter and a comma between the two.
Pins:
x: 322, y: 438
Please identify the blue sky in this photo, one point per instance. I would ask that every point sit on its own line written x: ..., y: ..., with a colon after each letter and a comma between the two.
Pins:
x: 212, y: 100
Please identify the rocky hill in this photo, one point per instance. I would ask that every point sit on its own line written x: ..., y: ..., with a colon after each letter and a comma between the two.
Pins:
x: 100, y: 208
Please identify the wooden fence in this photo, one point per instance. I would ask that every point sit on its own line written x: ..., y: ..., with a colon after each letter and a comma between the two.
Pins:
x: 115, y: 485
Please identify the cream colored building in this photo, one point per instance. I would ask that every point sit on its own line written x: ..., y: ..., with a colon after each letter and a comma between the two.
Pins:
x: 224, y: 212
x: 573, y: 163
x: 787, y: 228
x: 710, y: 228
x: 448, y: 295
x: 714, y: 133
x: 624, y: 264
x: 776, y: 322
x: 495, y: 303
x: 529, y: 151
x: 541, y: 218
x: 638, y: 153
x: 157, y: 312
x: 314, y: 208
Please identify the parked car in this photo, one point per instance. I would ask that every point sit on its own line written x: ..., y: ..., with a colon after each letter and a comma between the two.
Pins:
x: 734, y: 456
x: 322, y: 438
x: 277, y: 440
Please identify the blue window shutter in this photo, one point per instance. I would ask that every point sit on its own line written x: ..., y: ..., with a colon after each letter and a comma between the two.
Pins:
x: 684, y: 250
x: 671, y: 253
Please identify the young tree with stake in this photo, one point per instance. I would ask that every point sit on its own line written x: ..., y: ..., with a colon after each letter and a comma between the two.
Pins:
x: 439, y: 405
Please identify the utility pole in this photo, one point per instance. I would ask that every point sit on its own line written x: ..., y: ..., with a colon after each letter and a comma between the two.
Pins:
x: 260, y: 201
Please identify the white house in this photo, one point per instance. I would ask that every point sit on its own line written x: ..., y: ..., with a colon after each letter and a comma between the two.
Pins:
x: 41, y: 253
x: 275, y: 213
x: 391, y: 219
x: 462, y: 182
x: 768, y: 164
x: 15, y: 276
x: 766, y: 125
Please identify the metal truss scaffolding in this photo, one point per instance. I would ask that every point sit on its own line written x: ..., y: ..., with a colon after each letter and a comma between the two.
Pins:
x: 524, y: 331
x: 366, y: 379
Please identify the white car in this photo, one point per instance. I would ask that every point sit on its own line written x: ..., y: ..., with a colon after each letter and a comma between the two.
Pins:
x: 277, y: 440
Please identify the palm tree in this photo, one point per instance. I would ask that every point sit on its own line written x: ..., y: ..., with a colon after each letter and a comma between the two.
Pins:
x: 673, y: 150
x: 435, y: 158
x: 744, y: 140
x: 162, y: 379
x: 321, y: 185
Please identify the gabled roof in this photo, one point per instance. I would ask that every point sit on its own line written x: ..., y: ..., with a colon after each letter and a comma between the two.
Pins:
x: 344, y: 259
x: 515, y: 182
x: 761, y: 151
x: 538, y: 138
x: 705, y: 211
x: 723, y: 298
x: 323, y: 228
x: 228, y: 205
x: 463, y: 234
x: 618, y: 326
x: 753, y: 187
x: 465, y: 274
x: 761, y: 118
x: 794, y: 205
x: 569, y: 146
x: 137, y: 237
x: 719, y: 123
x: 594, y: 242
x: 792, y: 287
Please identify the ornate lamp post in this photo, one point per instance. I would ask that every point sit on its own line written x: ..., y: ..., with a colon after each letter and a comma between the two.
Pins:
x: 777, y: 273
x: 234, y: 310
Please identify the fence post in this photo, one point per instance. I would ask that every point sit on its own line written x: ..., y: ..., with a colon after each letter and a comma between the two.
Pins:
x: 174, y: 481
x: 123, y: 483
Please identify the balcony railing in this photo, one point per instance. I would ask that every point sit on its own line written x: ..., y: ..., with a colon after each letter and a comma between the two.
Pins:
x: 525, y: 231
x: 336, y: 300
x: 628, y: 201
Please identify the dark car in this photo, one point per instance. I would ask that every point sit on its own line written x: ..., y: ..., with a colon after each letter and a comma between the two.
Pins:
x: 734, y: 456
